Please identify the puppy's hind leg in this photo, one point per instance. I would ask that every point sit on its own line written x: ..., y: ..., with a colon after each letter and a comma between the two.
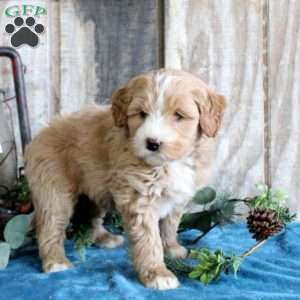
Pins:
x: 52, y: 215
x: 104, y: 238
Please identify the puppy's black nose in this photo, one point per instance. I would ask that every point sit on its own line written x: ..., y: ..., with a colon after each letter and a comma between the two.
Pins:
x: 152, y: 144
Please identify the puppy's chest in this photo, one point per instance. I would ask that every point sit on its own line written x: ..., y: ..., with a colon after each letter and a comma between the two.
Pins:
x: 171, y: 187
x: 181, y: 186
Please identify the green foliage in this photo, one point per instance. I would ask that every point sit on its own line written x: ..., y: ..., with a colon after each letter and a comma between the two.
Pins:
x: 205, y: 196
x: 83, y: 239
x: 15, y: 235
x: 116, y: 221
x: 225, y: 209
x: 272, y: 199
x: 236, y: 262
x: 178, y: 266
x: 269, y: 198
x: 212, y: 264
x: 15, y: 231
x: 22, y: 190
x: 200, y: 220
x: 221, y: 211
x: 4, y: 254
x: 19, y: 193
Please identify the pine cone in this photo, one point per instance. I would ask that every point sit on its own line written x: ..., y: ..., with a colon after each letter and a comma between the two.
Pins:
x: 263, y: 223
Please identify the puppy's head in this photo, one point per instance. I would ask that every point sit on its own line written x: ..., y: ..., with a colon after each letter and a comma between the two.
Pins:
x: 166, y: 112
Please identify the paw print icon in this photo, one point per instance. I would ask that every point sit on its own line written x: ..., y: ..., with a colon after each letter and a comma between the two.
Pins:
x: 24, y: 32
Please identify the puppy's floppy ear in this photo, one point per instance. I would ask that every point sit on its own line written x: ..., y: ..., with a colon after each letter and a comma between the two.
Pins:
x: 211, y: 113
x: 120, y: 101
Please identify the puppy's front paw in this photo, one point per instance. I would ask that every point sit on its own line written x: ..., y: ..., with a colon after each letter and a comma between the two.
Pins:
x: 57, y: 266
x: 160, y: 278
x: 177, y: 251
x: 164, y: 282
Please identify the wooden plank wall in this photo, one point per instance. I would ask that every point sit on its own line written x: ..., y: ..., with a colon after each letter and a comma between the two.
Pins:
x: 249, y: 51
x: 284, y: 96
x: 103, y: 45
x: 89, y: 49
x: 220, y: 41
x: 245, y: 49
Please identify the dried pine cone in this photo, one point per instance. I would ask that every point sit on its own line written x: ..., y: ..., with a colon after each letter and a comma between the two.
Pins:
x: 263, y: 223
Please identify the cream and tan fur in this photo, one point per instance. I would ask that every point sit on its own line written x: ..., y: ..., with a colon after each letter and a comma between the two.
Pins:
x: 101, y: 152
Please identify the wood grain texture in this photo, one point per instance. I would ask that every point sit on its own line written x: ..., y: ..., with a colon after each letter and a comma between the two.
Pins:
x: 103, y: 45
x: 221, y: 42
x: 284, y: 78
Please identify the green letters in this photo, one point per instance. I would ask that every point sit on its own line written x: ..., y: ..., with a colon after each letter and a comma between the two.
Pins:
x: 40, y: 11
x: 12, y: 11
x: 25, y: 10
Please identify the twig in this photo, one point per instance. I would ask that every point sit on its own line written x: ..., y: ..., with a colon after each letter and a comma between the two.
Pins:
x: 245, y: 200
x: 204, y: 234
x: 254, y: 248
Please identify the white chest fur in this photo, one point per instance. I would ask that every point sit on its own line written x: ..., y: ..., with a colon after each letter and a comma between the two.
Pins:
x: 180, y: 186
x: 166, y: 187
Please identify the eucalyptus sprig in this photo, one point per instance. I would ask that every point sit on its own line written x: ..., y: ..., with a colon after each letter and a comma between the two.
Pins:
x: 222, y: 210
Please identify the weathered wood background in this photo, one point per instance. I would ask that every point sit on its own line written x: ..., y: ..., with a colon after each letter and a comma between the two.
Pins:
x: 249, y: 50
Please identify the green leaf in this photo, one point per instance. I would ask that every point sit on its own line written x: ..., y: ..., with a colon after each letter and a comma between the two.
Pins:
x: 4, y: 254
x: 218, y: 270
x: 236, y: 264
x: 262, y: 188
x: 195, y: 274
x: 199, y: 220
x: 16, y: 230
x: 203, y: 256
x: 205, y: 278
x: 178, y: 265
x: 199, y: 253
x: 280, y: 196
x: 205, y: 196
x: 219, y: 252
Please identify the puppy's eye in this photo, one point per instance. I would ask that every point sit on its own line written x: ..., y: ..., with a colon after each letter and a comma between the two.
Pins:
x: 178, y: 116
x: 143, y: 114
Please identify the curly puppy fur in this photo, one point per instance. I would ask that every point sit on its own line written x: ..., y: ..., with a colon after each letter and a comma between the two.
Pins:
x: 146, y: 154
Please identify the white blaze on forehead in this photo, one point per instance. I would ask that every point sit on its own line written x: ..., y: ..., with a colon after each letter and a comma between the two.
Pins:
x: 162, y: 83
x: 155, y: 125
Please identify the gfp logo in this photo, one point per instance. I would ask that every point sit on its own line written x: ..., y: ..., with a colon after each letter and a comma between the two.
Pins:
x: 24, y: 29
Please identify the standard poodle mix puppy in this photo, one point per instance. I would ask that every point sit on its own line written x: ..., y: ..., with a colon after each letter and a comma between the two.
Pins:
x: 146, y: 155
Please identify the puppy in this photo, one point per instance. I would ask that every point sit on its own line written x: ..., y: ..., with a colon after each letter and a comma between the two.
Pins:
x: 147, y: 154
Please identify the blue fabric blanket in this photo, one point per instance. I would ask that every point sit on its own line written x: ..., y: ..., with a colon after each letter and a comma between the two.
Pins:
x: 271, y: 273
